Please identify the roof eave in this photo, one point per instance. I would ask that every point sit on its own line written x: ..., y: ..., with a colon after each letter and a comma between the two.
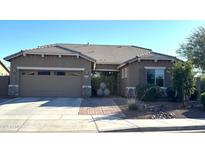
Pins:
x: 8, y: 58
x: 80, y: 54
x: 136, y: 58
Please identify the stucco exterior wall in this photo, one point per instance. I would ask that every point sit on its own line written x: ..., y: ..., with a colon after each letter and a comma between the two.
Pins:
x: 47, y: 61
x: 106, y: 66
x: 137, y: 71
x: 123, y: 82
x: 137, y: 74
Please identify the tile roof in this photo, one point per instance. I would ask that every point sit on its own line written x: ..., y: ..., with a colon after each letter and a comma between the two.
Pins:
x: 102, y: 54
x: 108, y: 54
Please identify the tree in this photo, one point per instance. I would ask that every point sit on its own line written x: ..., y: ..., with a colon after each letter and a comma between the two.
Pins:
x: 194, y: 48
x: 183, y: 79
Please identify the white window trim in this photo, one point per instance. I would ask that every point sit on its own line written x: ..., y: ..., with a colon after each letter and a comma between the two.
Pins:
x: 148, y: 67
x: 51, y: 68
x: 126, y: 72
x: 13, y: 85
x: 86, y: 86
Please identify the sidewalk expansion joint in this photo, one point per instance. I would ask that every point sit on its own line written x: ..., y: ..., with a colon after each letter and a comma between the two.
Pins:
x: 95, y: 124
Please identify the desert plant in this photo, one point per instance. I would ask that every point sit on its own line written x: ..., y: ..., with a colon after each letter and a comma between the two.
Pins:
x: 148, y: 93
x: 203, y: 99
x: 183, y: 79
x: 203, y: 83
x: 171, y: 94
x: 194, y: 95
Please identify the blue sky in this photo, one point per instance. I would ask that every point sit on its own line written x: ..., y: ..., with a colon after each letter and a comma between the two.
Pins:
x: 160, y: 36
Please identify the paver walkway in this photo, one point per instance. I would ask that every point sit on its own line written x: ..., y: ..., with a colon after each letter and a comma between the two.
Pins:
x: 102, y: 106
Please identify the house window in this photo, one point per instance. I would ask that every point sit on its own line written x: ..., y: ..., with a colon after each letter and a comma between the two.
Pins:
x: 155, y: 77
x: 44, y: 73
x: 59, y: 73
x: 124, y: 72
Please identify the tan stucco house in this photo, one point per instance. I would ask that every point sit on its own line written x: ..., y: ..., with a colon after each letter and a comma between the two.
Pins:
x: 4, y: 71
x: 66, y: 69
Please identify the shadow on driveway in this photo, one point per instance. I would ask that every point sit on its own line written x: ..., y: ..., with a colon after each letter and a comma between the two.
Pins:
x: 61, y: 102
x: 20, y: 100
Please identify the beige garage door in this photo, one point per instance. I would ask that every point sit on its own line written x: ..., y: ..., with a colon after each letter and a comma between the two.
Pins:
x: 50, y: 83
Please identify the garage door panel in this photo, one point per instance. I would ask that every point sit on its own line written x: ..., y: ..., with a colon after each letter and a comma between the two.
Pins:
x: 51, y: 85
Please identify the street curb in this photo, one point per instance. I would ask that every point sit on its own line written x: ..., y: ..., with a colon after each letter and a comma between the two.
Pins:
x: 156, y: 129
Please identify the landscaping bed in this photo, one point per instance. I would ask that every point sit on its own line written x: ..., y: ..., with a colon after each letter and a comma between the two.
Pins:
x: 161, y: 110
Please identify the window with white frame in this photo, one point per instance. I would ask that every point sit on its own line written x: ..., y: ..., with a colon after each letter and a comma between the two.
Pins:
x: 156, y: 76
x: 124, y: 73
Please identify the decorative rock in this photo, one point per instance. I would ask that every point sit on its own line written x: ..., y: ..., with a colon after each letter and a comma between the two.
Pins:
x: 102, y: 85
x: 99, y: 92
x: 163, y: 115
x: 106, y: 92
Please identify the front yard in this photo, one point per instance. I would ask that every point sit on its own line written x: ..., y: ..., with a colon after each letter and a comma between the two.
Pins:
x: 161, y: 110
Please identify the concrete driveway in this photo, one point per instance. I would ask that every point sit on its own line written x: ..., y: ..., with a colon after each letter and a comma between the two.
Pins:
x: 40, y: 106
x: 41, y: 114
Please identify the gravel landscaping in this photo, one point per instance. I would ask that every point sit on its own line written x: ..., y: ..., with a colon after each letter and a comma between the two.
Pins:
x: 161, y: 110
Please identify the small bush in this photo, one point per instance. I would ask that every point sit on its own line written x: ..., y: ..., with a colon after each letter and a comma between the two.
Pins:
x: 203, y: 84
x: 141, y: 90
x: 171, y: 94
x: 203, y: 99
x: 148, y: 93
x: 194, y: 95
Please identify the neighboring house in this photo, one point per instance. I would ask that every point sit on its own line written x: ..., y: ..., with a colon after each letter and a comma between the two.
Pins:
x: 65, y: 69
x: 4, y: 71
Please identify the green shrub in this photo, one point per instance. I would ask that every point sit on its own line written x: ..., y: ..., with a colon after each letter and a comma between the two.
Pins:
x: 203, y: 99
x: 141, y: 90
x: 171, y: 94
x: 203, y: 84
x: 148, y: 93
x: 194, y: 95
x: 174, y: 96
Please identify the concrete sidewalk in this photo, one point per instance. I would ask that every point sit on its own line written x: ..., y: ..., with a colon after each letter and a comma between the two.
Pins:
x: 93, y: 123
x: 150, y: 125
